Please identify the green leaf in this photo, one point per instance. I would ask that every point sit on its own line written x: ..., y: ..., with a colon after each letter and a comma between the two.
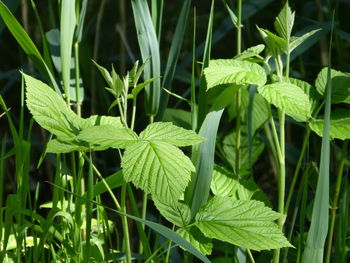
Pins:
x: 178, y: 117
x: 231, y: 71
x: 340, y: 85
x: 49, y: 109
x: 102, y: 137
x: 57, y: 146
x: 275, y: 44
x: 169, y: 133
x: 288, y: 97
x: 296, y: 41
x: 177, y: 213
x: 196, y: 239
x: 158, y: 168
x: 248, y: 224
x: 229, y: 146
x: 105, y: 74
x: 339, y: 125
x: 250, y: 52
x: 284, y: 22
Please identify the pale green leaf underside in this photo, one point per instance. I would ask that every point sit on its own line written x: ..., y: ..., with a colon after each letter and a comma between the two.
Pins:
x: 231, y: 71
x: 157, y: 168
x: 340, y: 85
x: 177, y: 213
x: 106, y: 136
x: 196, y: 239
x: 57, y: 146
x: 248, y: 224
x: 251, y: 52
x: 169, y: 133
x: 288, y: 97
x: 339, y: 125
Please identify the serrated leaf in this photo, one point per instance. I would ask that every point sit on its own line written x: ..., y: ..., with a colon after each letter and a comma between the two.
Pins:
x: 248, y: 224
x: 196, y: 239
x: 229, y: 146
x: 157, y: 168
x: 102, y: 137
x: 296, y: 41
x: 169, y: 133
x: 288, y: 97
x: 96, y: 120
x: 275, y: 44
x: 340, y: 85
x: 105, y: 74
x: 49, y: 109
x: 224, y: 183
x: 177, y: 213
x: 57, y: 146
x: 284, y: 22
x: 339, y: 125
x: 250, y: 52
x: 231, y: 71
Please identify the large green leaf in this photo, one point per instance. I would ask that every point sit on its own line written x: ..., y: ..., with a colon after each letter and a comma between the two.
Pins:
x: 49, y: 109
x: 158, y: 168
x: 339, y: 124
x: 103, y: 137
x: 196, y: 239
x: 288, y: 97
x: 231, y: 71
x: 340, y: 85
x: 247, y: 224
x: 169, y: 133
x: 177, y: 213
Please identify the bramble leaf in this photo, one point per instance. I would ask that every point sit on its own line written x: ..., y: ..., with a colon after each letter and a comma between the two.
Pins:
x: 288, y: 97
x: 231, y: 71
x: 250, y: 52
x: 177, y: 213
x: 340, y: 85
x: 339, y: 125
x: 197, y: 239
x: 248, y: 224
x: 284, y: 22
x: 158, y: 168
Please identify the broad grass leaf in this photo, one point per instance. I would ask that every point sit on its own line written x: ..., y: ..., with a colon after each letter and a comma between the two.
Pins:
x: 196, y: 239
x: 248, y: 224
x: 339, y: 124
x: 169, y: 133
x: 231, y: 71
x: 102, y: 137
x: 340, y: 85
x: 158, y: 168
x: 289, y: 97
x: 177, y: 213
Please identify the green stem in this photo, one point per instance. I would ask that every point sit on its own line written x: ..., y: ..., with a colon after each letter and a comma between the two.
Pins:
x: 77, y: 77
x: 133, y: 114
x: 125, y: 224
x: 335, y: 202
x: 238, y: 95
x: 250, y: 255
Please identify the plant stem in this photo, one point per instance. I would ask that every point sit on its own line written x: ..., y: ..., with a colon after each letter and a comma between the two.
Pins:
x: 250, y: 255
x: 77, y: 77
x: 238, y: 95
x: 125, y: 225
x: 335, y: 202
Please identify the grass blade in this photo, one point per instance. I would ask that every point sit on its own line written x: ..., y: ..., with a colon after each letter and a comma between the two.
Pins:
x: 27, y: 44
x: 314, y: 248
x: 68, y: 23
x: 174, y: 55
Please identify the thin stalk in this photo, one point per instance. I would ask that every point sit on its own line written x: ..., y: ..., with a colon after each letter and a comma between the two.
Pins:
x: 250, y: 255
x: 335, y: 202
x: 238, y: 96
x: 77, y: 77
x: 133, y: 114
x: 125, y: 225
